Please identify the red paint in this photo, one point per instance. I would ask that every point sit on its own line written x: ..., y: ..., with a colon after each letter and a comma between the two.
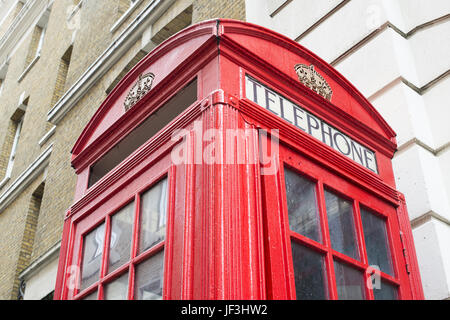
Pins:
x: 227, y: 234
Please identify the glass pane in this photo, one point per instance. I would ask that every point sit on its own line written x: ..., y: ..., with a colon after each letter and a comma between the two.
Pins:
x: 309, y: 266
x: 385, y: 292
x: 341, y: 225
x: 92, y: 296
x: 302, y: 205
x: 149, y: 278
x: 349, y: 282
x: 153, y: 216
x: 378, y: 253
x: 118, y: 289
x: 121, y: 236
x: 92, y: 256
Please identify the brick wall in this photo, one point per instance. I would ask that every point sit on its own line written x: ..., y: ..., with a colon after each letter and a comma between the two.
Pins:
x: 209, y: 9
x: 6, y: 148
x: 37, y: 32
x: 16, y: 225
x: 29, y: 232
x: 25, y: 235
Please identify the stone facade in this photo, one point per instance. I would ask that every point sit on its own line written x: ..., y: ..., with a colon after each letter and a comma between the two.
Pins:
x: 41, y: 70
x: 396, y: 54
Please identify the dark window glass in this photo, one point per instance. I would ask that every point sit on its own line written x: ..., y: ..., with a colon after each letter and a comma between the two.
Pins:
x: 118, y: 289
x: 309, y: 272
x: 153, y: 216
x: 385, y: 292
x: 92, y: 256
x: 149, y: 278
x: 341, y: 225
x: 302, y: 205
x: 121, y: 236
x: 92, y: 296
x: 349, y: 282
x: 376, y: 238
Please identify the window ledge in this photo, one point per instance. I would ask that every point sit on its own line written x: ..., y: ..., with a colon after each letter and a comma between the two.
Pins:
x: 4, y: 182
x: 125, y: 16
x: 47, y: 136
x: 24, y: 73
x: 25, y: 178
x: 75, y: 10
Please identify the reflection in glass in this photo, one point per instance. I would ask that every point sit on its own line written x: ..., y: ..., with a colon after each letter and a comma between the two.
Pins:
x: 349, y: 282
x: 341, y: 225
x: 302, y: 205
x: 92, y: 296
x: 385, y: 292
x: 118, y: 289
x: 92, y: 256
x: 153, y: 216
x: 309, y: 266
x: 149, y: 278
x: 121, y: 236
x: 375, y: 235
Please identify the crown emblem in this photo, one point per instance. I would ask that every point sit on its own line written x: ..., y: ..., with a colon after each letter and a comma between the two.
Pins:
x: 138, y: 90
x: 313, y: 80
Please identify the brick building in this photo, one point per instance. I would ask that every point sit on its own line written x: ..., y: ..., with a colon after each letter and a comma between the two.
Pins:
x: 60, y: 59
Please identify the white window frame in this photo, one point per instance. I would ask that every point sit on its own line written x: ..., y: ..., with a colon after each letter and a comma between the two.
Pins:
x: 41, y: 42
x: 12, y: 156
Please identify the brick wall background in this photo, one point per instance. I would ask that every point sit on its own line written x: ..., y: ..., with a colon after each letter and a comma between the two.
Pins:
x: 74, y: 38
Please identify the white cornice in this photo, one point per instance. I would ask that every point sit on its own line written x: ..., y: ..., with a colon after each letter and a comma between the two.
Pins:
x: 41, y: 262
x: 127, y: 38
x: 25, y: 179
x: 126, y: 15
x: 26, y: 18
x: 27, y: 69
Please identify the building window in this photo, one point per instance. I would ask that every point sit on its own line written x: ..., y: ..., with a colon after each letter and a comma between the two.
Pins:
x: 28, y: 237
x: 3, y: 72
x: 61, y: 77
x: 35, y: 48
x: 14, y: 147
x: 10, y: 145
x: 118, y: 254
x: 60, y: 83
x: 37, y: 42
x: 163, y: 29
x: 18, y: 8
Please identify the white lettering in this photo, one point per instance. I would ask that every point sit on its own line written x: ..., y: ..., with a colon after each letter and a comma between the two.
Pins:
x: 309, y: 123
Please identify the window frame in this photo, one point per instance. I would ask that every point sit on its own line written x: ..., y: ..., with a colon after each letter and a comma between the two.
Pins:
x: 41, y: 41
x: 194, y: 80
x: 136, y: 258
x: 326, y: 180
x: 12, y: 156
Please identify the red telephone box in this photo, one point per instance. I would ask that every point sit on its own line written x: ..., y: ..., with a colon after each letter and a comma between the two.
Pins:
x: 232, y: 163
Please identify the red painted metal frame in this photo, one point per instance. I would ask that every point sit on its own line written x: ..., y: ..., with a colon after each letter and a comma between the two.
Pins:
x: 325, y: 180
x: 227, y: 230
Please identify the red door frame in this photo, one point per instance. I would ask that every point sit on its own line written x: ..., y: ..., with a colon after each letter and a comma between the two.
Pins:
x: 217, y: 231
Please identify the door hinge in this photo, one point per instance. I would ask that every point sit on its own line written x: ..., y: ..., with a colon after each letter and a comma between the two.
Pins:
x: 405, y: 252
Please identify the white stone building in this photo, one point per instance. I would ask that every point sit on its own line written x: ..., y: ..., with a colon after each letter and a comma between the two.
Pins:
x: 397, y: 53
